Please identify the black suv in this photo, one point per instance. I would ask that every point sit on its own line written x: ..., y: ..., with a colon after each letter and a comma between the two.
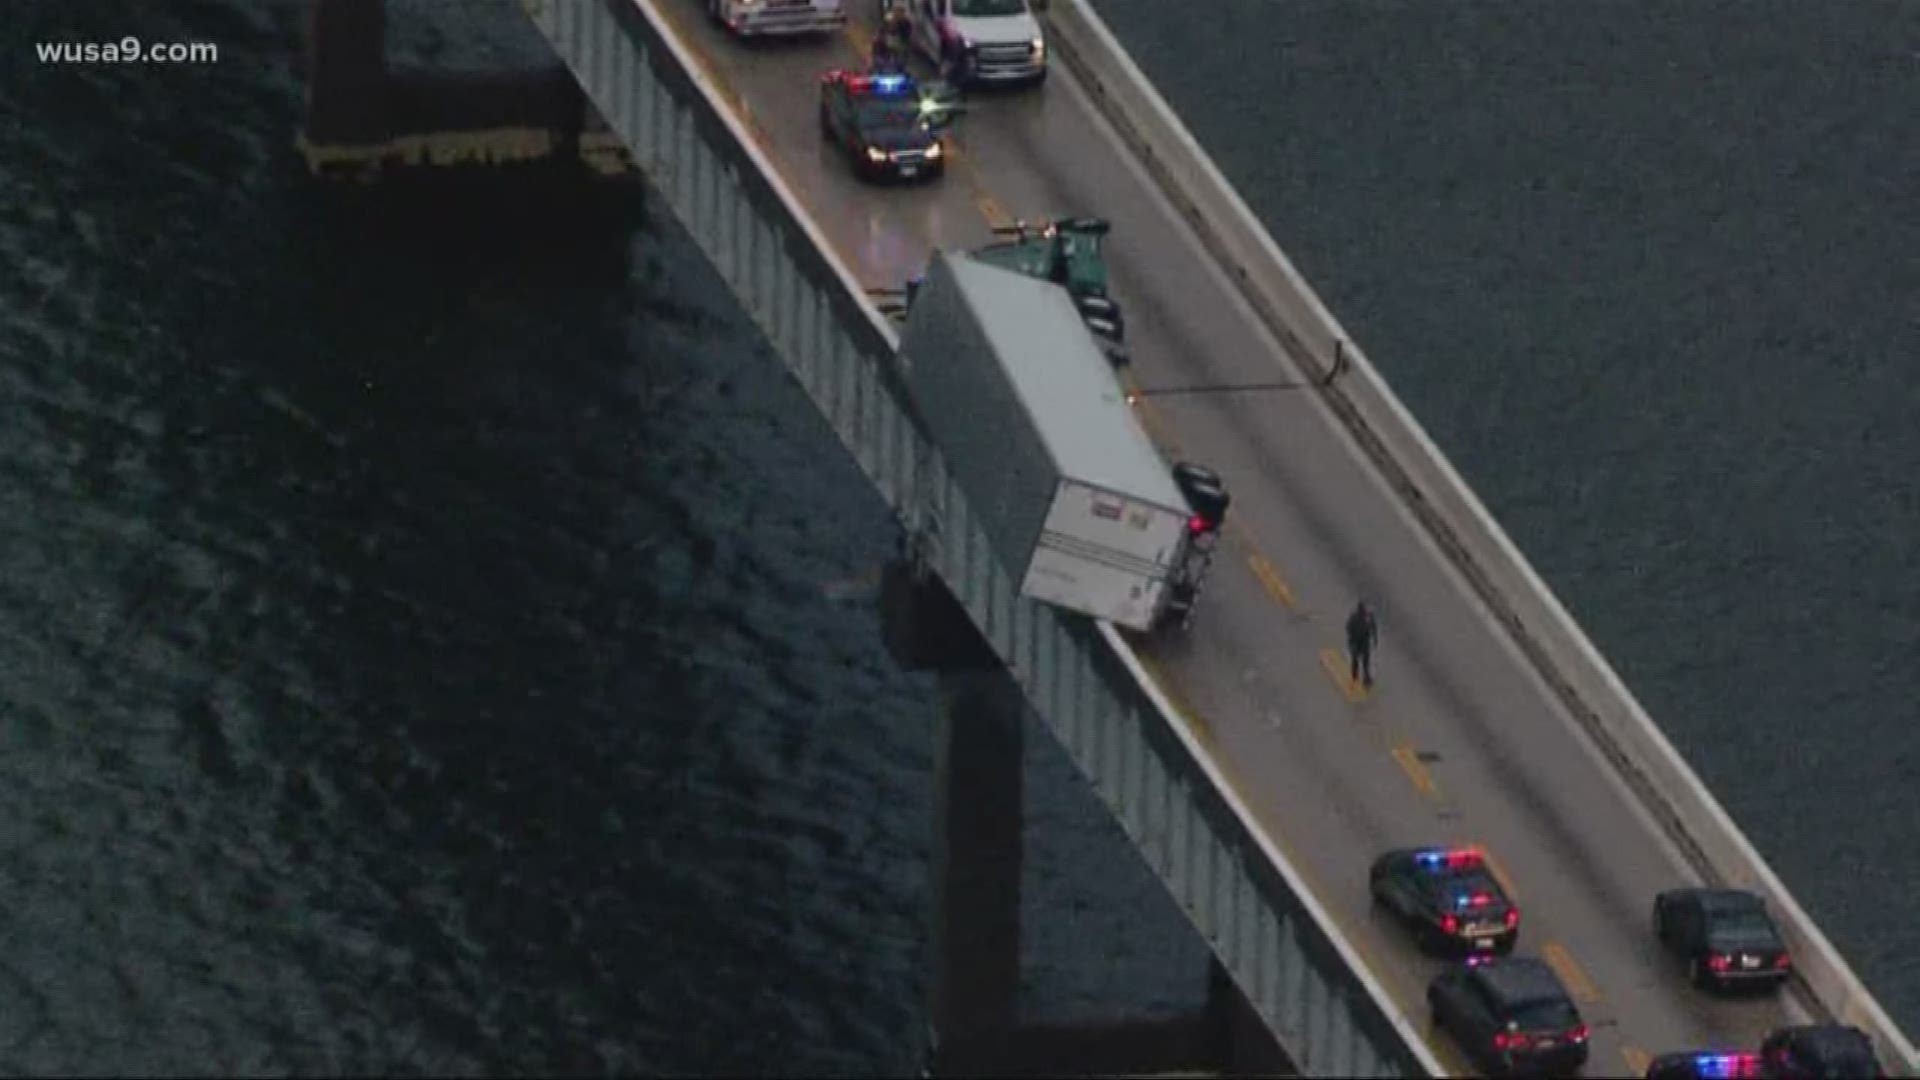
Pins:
x: 1725, y: 936
x: 1835, y: 1051
x: 1510, y: 1016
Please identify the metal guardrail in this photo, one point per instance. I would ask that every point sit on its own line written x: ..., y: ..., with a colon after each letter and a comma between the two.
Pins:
x: 1147, y: 765
x: 1450, y: 511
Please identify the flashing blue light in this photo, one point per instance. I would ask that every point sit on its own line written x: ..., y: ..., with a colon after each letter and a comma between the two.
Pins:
x: 1723, y: 1066
x: 1447, y: 858
x: 889, y: 84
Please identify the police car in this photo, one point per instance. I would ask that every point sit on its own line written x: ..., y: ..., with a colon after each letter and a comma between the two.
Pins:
x: 1511, y: 1016
x: 887, y: 128
x: 1705, y: 1065
x: 1447, y: 897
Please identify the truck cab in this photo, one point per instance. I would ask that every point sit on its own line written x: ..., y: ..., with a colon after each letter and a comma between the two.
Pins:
x: 1071, y: 253
x: 767, y: 18
x: 980, y: 41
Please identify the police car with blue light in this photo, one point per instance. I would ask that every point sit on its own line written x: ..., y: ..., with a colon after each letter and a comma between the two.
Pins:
x: 887, y: 123
x: 1706, y: 1065
x: 1447, y: 897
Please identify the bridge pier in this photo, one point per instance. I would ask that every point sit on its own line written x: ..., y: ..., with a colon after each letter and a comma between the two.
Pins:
x: 978, y: 814
x: 974, y: 1024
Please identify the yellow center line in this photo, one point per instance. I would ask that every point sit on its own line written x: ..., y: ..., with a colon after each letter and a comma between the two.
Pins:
x: 858, y: 36
x: 1394, y: 980
x: 1416, y: 770
x: 1150, y: 419
x: 983, y: 200
x: 1570, y: 973
x: 1338, y: 670
x: 1499, y: 873
x: 1637, y: 1060
x: 1270, y: 580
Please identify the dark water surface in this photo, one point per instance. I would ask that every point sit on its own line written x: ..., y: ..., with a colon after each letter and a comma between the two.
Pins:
x: 1647, y: 272
x: 426, y: 642
x: 438, y: 649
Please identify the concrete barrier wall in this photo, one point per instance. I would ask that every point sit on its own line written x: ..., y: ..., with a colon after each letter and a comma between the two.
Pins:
x: 1451, y: 512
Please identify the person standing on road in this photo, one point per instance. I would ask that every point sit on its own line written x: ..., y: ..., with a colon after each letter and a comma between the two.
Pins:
x: 895, y: 23
x: 1362, y: 634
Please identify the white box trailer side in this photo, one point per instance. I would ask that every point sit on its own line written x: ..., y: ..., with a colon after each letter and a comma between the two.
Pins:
x: 1103, y: 551
x: 1034, y: 424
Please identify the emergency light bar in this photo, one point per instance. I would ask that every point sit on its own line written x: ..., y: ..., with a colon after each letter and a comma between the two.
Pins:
x: 887, y: 85
x: 1447, y: 858
x: 1727, y: 1066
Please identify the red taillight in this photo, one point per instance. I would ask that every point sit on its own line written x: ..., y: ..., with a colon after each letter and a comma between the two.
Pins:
x: 1578, y: 1034
x: 1783, y: 961
x: 1719, y: 963
x: 1449, y: 924
x: 1513, y: 917
x: 1505, y: 1041
x: 1196, y: 524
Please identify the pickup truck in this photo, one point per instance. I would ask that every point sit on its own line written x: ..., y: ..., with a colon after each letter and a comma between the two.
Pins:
x: 980, y: 41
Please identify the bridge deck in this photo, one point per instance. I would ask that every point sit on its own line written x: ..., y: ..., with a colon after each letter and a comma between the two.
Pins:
x: 1458, y: 742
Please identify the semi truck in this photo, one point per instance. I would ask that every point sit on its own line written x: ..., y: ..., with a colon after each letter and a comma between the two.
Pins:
x: 1032, y: 421
x: 1070, y: 253
x: 756, y: 18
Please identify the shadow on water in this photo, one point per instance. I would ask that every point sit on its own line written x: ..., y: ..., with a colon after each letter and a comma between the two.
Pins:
x: 521, y: 707
x: 441, y: 622
x: 406, y: 662
x: 423, y: 488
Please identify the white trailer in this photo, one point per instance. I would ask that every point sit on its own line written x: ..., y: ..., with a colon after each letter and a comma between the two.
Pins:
x: 1037, y: 429
x: 754, y: 18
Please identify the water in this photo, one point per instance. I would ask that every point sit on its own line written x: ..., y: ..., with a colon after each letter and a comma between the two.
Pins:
x: 419, y: 651
x: 1647, y: 272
